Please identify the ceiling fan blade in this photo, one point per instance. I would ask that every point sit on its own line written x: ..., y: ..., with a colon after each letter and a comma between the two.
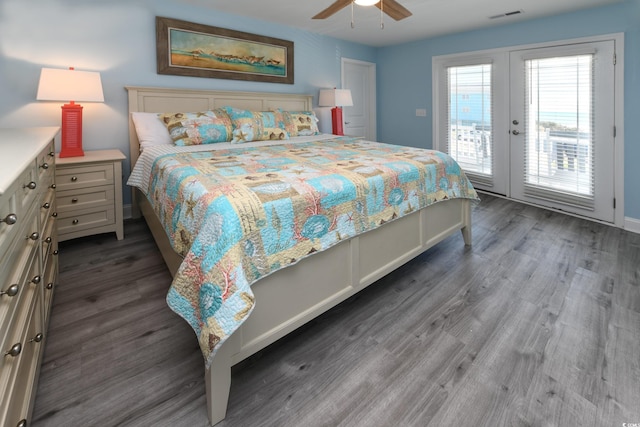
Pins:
x: 394, y: 9
x: 335, y: 7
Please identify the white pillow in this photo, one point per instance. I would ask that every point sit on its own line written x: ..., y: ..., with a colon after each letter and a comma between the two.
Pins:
x: 150, y: 129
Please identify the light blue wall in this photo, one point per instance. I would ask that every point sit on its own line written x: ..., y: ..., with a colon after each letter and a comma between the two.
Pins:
x: 404, y: 76
x: 117, y: 38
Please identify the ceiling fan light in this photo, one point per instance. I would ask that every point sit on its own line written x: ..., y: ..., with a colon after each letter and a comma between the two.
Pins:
x: 366, y: 2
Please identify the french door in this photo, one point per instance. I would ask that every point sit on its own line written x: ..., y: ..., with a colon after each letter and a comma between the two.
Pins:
x: 562, y: 128
x: 536, y: 125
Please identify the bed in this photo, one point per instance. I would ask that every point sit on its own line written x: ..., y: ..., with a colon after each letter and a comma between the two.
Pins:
x: 287, y: 298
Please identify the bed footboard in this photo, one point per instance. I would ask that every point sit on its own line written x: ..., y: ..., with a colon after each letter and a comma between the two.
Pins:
x: 291, y: 297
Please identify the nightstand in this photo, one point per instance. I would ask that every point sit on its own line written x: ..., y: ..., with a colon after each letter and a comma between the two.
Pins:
x: 89, y: 194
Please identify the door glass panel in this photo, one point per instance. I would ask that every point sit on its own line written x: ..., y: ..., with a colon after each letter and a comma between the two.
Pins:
x: 559, y: 143
x: 469, y: 139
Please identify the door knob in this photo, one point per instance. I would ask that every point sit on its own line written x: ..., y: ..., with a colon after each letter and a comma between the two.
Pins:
x: 515, y: 122
x: 515, y: 132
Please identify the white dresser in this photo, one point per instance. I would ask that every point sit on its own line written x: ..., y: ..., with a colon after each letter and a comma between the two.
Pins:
x: 28, y: 264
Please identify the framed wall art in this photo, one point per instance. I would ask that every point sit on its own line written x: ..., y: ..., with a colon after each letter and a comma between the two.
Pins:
x: 188, y: 49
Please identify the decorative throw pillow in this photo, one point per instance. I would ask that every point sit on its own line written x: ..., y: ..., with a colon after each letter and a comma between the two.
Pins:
x: 204, y: 127
x: 150, y: 130
x: 256, y: 125
x: 301, y: 123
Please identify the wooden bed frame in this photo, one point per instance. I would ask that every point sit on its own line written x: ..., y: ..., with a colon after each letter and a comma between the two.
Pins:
x: 292, y: 296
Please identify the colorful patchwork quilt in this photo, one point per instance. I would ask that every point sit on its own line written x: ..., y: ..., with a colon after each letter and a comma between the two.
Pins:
x: 239, y: 214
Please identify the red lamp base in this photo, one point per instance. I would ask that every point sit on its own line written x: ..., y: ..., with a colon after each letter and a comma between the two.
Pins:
x: 336, y: 119
x: 71, y: 130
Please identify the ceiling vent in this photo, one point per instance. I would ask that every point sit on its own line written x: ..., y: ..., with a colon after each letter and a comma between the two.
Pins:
x: 504, y: 15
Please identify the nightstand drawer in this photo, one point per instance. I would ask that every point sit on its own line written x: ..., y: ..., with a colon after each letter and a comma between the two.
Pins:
x: 89, y: 194
x: 84, y: 198
x: 72, y: 177
x: 72, y: 222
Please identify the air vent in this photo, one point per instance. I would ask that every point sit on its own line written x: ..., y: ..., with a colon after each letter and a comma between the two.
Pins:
x: 504, y: 15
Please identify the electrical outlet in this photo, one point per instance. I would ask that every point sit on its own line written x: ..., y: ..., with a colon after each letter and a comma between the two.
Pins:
x: 421, y: 112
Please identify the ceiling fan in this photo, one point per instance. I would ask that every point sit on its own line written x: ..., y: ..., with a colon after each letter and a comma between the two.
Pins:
x: 391, y: 7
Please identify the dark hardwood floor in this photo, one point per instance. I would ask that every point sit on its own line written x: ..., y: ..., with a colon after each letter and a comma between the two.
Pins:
x: 538, y: 324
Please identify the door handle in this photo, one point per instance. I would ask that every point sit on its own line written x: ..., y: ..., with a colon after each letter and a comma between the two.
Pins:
x: 515, y: 132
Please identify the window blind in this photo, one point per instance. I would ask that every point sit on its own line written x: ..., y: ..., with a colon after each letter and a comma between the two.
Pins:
x: 559, y: 129
x: 469, y: 121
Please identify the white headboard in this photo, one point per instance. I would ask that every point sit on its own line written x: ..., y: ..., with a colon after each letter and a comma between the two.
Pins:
x: 170, y: 100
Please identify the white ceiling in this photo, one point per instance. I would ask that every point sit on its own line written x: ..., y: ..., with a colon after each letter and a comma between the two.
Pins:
x: 430, y: 17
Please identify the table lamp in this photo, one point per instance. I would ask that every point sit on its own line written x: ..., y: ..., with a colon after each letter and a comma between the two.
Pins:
x: 336, y: 98
x: 70, y: 85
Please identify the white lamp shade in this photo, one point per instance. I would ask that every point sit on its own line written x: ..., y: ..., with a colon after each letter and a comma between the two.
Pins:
x: 69, y: 85
x: 335, y: 98
x: 366, y: 2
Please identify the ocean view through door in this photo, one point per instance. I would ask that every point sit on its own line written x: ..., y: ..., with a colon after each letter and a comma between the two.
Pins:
x: 562, y: 128
x: 535, y: 124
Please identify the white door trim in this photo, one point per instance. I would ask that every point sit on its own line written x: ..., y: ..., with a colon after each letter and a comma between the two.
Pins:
x: 618, y: 38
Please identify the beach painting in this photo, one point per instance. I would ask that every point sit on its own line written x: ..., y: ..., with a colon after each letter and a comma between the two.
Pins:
x: 185, y: 48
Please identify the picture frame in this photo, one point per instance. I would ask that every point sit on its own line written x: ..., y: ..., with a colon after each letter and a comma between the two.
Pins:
x: 189, y: 49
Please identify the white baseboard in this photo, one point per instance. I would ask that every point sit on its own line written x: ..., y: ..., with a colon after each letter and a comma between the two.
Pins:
x: 632, y: 224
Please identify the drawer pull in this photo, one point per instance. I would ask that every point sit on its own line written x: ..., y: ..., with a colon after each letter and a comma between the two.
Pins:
x: 22, y: 423
x: 56, y: 252
x: 15, y: 350
x: 75, y: 221
x: 36, y: 279
x: 50, y: 285
x: 46, y: 205
x: 31, y: 186
x: 52, y: 186
x: 10, y: 219
x: 34, y: 236
x: 47, y: 240
x: 52, y: 153
x: 55, y: 214
x: 74, y: 200
x: 45, y: 165
x: 11, y: 291
x: 37, y: 338
x: 74, y: 178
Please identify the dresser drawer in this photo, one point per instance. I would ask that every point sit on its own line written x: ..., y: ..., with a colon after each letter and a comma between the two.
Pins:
x: 21, y: 279
x: 27, y: 204
x: 45, y: 166
x: 49, y: 282
x: 84, y: 198
x: 49, y: 239
x: 73, y: 177
x: 72, y: 222
x: 29, y: 187
x: 18, y: 372
x: 14, y: 252
x: 15, y: 203
x: 47, y: 206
